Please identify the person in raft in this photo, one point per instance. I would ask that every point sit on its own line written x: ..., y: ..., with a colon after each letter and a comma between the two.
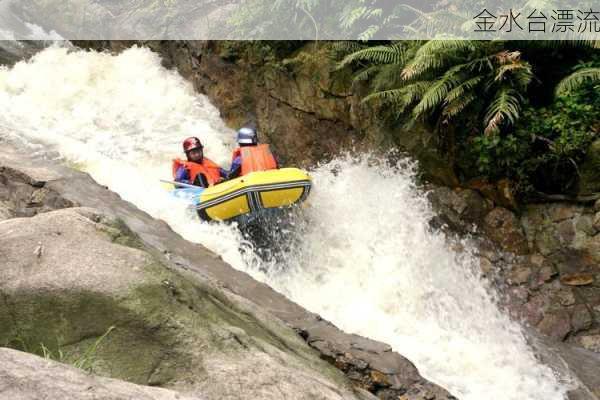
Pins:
x: 197, y: 170
x: 250, y: 156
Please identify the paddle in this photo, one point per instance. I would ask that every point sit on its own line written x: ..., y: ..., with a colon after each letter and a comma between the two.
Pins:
x: 185, y: 185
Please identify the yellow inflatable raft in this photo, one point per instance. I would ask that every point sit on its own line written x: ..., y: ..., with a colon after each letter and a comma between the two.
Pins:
x: 253, y: 192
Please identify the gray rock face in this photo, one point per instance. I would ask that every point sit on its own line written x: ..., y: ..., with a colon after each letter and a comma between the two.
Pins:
x: 27, y: 377
x: 461, y: 210
x: 238, y: 347
x: 544, y: 260
x: 579, y: 367
x: 5, y: 212
x: 68, y: 277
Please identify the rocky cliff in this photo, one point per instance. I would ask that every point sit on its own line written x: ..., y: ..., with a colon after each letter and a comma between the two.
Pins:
x: 544, y: 259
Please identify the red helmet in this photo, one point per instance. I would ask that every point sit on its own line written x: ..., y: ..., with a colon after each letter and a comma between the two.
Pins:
x: 191, y: 143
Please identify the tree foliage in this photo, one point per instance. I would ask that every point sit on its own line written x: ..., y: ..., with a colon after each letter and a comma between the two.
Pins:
x: 577, y: 79
x: 440, y: 79
x: 498, y: 96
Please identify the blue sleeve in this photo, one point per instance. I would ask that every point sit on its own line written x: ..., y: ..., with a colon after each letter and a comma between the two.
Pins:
x: 235, y: 164
x: 182, y: 175
x: 235, y: 168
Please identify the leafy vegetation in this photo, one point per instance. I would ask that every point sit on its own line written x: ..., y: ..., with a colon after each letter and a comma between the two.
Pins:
x: 544, y: 151
x: 442, y: 79
x: 518, y: 109
x: 318, y: 19
x: 85, y: 361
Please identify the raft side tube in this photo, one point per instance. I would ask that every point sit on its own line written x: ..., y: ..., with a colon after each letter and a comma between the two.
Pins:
x: 254, y: 192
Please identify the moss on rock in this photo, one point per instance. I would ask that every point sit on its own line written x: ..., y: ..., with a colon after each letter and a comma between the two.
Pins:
x: 589, y: 179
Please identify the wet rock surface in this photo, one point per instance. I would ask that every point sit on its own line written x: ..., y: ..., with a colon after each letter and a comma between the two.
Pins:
x: 72, y: 274
x: 582, y: 375
x: 371, y: 366
x: 543, y: 258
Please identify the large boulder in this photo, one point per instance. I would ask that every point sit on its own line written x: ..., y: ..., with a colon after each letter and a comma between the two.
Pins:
x: 70, y: 275
x: 28, y: 377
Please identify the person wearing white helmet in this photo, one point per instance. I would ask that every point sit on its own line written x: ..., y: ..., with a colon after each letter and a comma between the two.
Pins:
x: 250, y: 156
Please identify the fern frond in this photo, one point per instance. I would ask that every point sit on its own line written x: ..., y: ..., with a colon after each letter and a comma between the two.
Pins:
x: 374, y: 13
x: 388, y: 78
x: 504, y: 108
x: 403, y: 97
x: 519, y: 69
x: 434, y: 55
x: 507, y: 57
x: 369, y: 33
x: 452, y: 45
x: 457, y: 105
x: 392, y: 54
x: 418, y: 66
x: 352, y: 15
x: 436, y: 94
x: 367, y: 73
x: 345, y: 46
x: 463, y: 89
x: 394, y: 97
x: 577, y: 79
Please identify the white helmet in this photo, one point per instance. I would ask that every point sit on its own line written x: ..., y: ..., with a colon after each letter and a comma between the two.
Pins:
x: 247, y: 135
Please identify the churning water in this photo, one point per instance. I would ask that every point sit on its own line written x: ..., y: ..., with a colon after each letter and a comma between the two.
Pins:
x: 363, y: 255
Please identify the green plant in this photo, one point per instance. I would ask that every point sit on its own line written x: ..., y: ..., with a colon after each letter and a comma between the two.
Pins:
x: 441, y: 80
x: 85, y: 361
x: 577, y: 79
x: 545, y: 149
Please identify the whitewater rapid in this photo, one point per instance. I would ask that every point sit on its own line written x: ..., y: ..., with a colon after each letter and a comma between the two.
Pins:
x: 364, y: 257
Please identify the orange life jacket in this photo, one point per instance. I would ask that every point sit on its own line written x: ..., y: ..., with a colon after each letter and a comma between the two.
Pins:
x: 207, y: 168
x: 255, y: 158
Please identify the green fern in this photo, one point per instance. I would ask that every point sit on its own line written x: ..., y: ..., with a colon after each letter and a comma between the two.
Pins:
x: 392, y: 96
x: 367, y: 73
x: 436, y: 94
x: 463, y: 89
x: 457, y: 105
x: 402, y: 97
x: 392, y: 54
x: 504, y: 108
x: 352, y: 16
x: 369, y: 33
x: 443, y: 79
x: 577, y: 79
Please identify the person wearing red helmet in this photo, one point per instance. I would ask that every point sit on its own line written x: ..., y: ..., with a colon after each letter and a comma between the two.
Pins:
x: 197, y: 169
